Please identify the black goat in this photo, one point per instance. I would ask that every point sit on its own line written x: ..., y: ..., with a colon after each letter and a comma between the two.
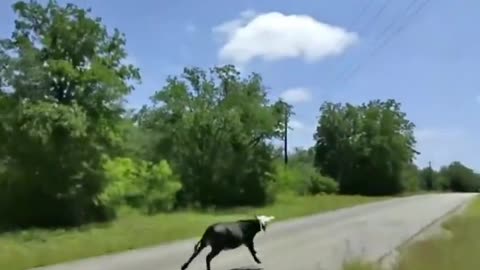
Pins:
x: 230, y: 235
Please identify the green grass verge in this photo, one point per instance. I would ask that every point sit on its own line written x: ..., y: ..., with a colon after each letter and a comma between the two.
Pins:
x: 458, y: 251
x: 31, y: 248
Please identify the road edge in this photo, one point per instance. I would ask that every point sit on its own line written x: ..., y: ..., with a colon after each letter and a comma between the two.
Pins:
x: 388, y: 259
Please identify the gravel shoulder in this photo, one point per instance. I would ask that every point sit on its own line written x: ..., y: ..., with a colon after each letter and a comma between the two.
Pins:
x: 316, y: 242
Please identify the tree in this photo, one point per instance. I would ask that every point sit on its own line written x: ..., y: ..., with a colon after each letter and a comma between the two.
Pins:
x: 411, y: 177
x: 365, y: 147
x: 66, y: 83
x: 429, y: 179
x: 460, y: 178
x: 214, y: 128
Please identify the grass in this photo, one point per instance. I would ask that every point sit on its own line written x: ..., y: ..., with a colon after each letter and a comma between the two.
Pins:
x: 360, y: 265
x: 32, y: 248
x: 459, y: 251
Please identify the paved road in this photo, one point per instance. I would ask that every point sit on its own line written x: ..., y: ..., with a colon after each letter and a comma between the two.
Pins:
x: 317, y: 242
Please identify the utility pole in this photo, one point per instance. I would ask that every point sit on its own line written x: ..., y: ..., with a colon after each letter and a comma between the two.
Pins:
x: 285, y: 136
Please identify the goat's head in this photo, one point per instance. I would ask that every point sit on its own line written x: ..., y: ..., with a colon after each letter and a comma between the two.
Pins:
x: 264, y: 220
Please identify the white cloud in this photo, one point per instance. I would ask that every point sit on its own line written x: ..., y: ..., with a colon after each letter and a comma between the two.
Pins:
x: 275, y: 36
x: 296, y: 95
x: 230, y: 27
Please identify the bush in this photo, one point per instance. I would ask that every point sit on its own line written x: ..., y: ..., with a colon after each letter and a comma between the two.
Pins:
x: 460, y: 178
x: 303, y: 179
x: 317, y: 184
x: 139, y: 184
x: 288, y: 178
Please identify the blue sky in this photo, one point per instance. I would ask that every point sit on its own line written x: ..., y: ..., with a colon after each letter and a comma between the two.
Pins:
x: 302, y: 48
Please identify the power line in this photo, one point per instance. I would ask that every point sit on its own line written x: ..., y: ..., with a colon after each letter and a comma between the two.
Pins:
x: 384, y: 43
x: 370, y: 22
x: 389, y: 26
x: 361, y: 13
x: 385, y: 30
x: 379, y: 13
x: 354, y: 21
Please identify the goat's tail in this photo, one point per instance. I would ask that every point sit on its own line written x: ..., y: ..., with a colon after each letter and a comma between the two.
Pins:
x: 198, y: 245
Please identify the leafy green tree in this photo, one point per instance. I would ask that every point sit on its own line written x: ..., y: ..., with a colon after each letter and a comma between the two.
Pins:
x: 460, y: 178
x: 215, y: 129
x: 365, y: 147
x: 411, y: 178
x: 64, y: 80
x: 429, y: 179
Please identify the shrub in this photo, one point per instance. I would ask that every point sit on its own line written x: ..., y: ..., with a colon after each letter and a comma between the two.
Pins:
x: 139, y: 184
x: 317, y: 184
x: 288, y: 178
x: 303, y: 179
x: 460, y: 178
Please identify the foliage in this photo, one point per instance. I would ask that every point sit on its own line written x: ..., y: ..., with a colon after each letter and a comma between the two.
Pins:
x: 458, y: 177
x: 302, y: 156
x: 214, y: 129
x: 365, y: 147
x: 429, y: 179
x: 288, y: 178
x: 138, y: 183
x: 302, y: 179
x: 63, y: 81
x: 318, y: 184
x: 411, y: 178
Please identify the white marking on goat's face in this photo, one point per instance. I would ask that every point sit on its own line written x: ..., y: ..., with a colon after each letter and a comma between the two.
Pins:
x: 264, y: 220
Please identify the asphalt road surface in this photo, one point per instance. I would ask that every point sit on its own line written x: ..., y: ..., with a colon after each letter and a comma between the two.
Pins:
x: 317, y: 242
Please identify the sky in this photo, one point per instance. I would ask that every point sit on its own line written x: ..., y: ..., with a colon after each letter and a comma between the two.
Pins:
x: 423, y: 53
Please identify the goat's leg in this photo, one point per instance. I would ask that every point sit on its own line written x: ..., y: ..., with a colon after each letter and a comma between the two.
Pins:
x: 211, y: 255
x: 198, y: 248
x: 251, y: 248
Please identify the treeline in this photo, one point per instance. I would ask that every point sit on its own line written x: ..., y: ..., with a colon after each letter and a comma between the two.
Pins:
x: 71, y: 153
